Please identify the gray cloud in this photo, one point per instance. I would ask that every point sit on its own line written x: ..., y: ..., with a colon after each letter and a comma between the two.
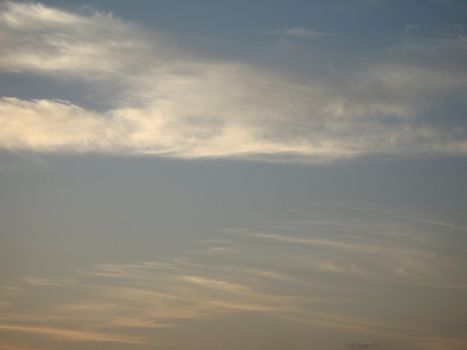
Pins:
x: 361, y: 346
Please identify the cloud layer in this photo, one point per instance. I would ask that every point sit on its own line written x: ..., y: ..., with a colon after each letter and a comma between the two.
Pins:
x: 375, y: 280
x: 168, y: 100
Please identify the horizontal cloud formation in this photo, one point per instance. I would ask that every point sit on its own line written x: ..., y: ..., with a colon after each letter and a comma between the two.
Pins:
x: 166, y: 100
x: 314, y: 270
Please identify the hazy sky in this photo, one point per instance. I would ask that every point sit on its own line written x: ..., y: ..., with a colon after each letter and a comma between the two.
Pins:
x: 233, y: 175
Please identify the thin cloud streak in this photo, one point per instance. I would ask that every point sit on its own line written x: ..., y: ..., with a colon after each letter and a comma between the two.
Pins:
x: 70, y: 335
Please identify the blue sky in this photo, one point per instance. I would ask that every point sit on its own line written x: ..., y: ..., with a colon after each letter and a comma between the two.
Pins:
x: 237, y: 175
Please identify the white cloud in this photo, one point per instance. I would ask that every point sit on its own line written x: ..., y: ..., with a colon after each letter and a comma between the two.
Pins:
x: 165, y: 100
x: 46, y: 40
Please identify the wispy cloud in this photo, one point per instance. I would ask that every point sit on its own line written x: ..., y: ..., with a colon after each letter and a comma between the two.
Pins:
x: 382, y: 259
x: 166, y: 100
x: 216, y: 284
x: 9, y: 346
x: 301, y: 32
x: 310, y: 276
x: 43, y: 282
x: 70, y: 335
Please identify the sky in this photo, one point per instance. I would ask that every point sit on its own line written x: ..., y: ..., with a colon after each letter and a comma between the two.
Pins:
x: 233, y: 175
